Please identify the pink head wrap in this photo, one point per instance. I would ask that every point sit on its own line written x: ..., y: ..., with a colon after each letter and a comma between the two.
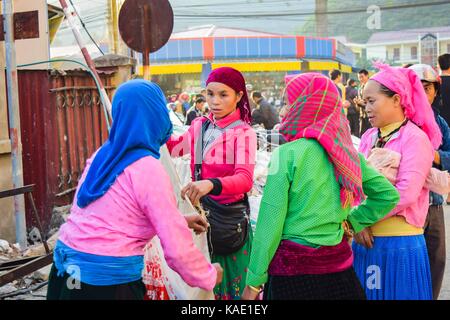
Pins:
x: 407, y: 84
x: 316, y: 113
x: 235, y: 80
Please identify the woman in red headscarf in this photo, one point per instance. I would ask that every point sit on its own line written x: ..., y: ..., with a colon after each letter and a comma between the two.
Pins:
x: 223, y: 149
x: 300, y: 250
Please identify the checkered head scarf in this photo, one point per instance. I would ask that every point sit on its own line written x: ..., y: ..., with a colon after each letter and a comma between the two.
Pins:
x: 315, y: 112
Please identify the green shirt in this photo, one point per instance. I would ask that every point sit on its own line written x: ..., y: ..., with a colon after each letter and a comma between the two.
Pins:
x: 301, y: 203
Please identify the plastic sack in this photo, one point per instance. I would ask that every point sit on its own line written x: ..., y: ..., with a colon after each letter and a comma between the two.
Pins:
x: 386, y: 162
x: 161, y: 282
x: 438, y: 181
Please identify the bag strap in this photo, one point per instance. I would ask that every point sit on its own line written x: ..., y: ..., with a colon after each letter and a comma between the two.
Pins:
x: 199, y: 146
x: 199, y: 152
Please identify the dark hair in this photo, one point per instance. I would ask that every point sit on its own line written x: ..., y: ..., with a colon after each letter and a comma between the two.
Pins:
x: 407, y: 65
x: 437, y: 87
x: 350, y: 82
x: 334, y: 74
x: 200, y: 100
x: 256, y: 94
x: 385, y: 90
x: 444, y: 61
x: 363, y: 71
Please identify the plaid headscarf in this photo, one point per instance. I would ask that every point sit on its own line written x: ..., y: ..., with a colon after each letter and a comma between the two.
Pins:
x: 235, y: 80
x: 315, y: 112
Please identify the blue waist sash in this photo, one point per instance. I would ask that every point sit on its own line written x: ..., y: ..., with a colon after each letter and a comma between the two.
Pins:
x: 97, y: 270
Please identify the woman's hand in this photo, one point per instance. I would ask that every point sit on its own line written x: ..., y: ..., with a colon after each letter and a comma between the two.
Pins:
x: 219, y: 273
x: 249, y: 294
x: 437, y: 158
x: 365, y: 238
x: 196, y: 190
x: 197, y: 223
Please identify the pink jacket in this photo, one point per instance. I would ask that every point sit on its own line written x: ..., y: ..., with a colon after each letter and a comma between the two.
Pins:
x: 231, y: 157
x: 417, y: 156
x: 139, y: 205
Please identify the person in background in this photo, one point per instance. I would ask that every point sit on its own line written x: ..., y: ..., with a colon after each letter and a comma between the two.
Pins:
x: 353, y: 110
x: 364, y: 124
x: 391, y: 257
x: 265, y: 113
x: 195, y: 111
x: 336, y: 77
x: 435, y: 223
x: 116, y: 211
x: 444, y: 101
x: 183, y: 103
x: 300, y: 250
x: 444, y: 65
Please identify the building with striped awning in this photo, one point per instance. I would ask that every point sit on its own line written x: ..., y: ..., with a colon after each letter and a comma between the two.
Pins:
x: 189, y: 56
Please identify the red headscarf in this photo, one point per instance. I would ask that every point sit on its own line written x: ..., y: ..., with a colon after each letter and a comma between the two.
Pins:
x: 235, y: 80
x: 316, y: 113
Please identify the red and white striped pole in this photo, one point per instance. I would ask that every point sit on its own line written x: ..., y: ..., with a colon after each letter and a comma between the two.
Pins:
x: 87, y: 57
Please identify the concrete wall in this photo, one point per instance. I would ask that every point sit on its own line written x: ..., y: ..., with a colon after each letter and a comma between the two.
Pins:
x: 376, y: 52
x: 444, y: 46
x: 7, y: 225
x: 405, y: 52
x: 32, y: 50
x: 27, y: 51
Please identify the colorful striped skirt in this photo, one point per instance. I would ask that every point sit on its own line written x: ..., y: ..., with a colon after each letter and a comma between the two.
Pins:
x: 235, y: 267
x: 396, y: 268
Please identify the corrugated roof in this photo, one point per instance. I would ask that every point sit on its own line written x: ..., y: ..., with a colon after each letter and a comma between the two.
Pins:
x: 407, y: 35
x: 216, y: 31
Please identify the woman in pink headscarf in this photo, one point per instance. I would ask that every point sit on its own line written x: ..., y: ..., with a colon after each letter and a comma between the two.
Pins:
x: 391, y: 257
x: 223, y: 149
x: 300, y: 250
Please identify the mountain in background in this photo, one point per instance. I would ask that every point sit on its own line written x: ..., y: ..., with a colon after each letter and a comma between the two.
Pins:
x: 353, y: 25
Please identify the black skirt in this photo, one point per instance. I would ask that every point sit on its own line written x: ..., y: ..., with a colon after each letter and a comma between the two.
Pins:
x: 62, y: 288
x: 333, y: 286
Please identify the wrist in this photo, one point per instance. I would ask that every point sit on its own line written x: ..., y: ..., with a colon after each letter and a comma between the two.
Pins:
x: 254, y: 289
x: 217, y: 186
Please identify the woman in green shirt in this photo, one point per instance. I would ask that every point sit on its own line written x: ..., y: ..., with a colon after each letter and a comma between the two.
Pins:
x: 299, y: 249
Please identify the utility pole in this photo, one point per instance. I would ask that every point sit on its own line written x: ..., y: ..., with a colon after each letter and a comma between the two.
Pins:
x: 14, y: 121
x: 321, y: 18
x: 114, y: 25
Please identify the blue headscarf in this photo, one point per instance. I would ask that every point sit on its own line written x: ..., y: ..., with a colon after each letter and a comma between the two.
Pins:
x: 141, y: 125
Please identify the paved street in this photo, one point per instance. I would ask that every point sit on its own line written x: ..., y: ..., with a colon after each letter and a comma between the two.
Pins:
x: 445, y: 292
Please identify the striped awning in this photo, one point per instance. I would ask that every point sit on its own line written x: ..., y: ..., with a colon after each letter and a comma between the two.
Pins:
x: 261, y: 66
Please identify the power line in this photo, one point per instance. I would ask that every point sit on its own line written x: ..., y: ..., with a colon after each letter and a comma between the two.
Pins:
x: 289, y: 14
x: 85, y: 28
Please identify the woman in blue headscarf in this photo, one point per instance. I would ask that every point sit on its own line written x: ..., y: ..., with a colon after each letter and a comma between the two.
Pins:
x: 125, y: 198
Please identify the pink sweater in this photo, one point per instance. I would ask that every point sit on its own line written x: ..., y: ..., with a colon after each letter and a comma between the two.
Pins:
x: 416, y: 160
x: 231, y: 157
x: 139, y: 205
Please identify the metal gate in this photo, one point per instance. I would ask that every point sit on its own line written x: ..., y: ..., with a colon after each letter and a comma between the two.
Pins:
x: 62, y: 124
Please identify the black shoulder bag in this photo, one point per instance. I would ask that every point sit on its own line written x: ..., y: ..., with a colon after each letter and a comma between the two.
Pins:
x: 229, y: 223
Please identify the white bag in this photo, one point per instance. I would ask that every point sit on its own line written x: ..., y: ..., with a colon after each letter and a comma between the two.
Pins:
x: 161, y: 281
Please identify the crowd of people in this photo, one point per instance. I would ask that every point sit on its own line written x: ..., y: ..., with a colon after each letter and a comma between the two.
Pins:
x: 334, y: 222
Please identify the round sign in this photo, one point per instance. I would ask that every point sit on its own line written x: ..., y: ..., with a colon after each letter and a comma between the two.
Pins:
x: 146, y: 25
